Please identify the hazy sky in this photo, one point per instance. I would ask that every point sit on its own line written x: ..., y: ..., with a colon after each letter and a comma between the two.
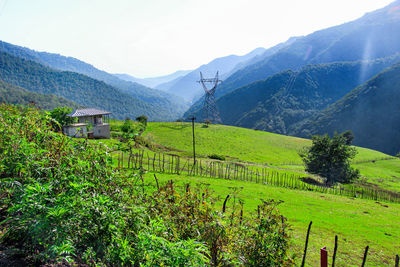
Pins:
x: 148, y: 38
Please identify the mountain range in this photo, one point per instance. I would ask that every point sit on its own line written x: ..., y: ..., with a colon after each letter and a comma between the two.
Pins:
x: 159, y: 101
x: 153, y: 81
x: 187, y: 86
x: 314, y: 84
x: 284, y: 90
x: 81, y: 89
x: 288, y: 97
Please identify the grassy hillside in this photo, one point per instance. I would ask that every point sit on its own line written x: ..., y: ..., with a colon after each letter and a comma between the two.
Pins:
x: 62, y: 203
x: 12, y: 94
x: 263, y: 148
x: 238, y: 143
x: 357, y: 223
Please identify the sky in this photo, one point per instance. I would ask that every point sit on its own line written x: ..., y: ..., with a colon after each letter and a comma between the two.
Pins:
x: 148, y: 38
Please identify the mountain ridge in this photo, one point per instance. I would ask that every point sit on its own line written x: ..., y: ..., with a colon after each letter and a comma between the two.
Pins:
x: 165, y: 101
x: 370, y: 111
x: 153, y: 82
x: 285, y: 98
x: 77, y: 87
x: 318, y: 47
x: 187, y: 87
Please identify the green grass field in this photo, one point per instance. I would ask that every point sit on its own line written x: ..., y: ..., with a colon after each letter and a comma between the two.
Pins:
x: 245, y: 145
x: 357, y: 222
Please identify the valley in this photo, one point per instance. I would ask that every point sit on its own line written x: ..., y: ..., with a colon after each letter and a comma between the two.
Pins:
x: 304, y: 128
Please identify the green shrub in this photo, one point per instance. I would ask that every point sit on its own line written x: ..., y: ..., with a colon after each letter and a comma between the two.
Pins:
x: 127, y: 127
x: 142, y: 119
x: 215, y: 156
x: 330, y: 158
x: 116, y: 134
x: 59, y: 114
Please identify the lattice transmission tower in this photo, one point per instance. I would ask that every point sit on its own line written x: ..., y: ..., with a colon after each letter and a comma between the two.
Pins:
x: 210, y: 110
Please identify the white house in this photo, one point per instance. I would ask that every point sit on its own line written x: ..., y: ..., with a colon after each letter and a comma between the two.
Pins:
x: 91, y: 123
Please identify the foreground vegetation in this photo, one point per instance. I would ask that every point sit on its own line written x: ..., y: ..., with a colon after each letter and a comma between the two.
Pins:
x: 62, y: 201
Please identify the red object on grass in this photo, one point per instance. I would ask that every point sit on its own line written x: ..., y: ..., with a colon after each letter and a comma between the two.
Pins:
x: 324, y: 257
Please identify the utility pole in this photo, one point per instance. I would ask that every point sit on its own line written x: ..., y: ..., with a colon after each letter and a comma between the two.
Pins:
x: 194, y: 142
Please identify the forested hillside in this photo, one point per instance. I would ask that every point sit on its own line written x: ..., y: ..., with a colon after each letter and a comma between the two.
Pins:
x: 162, y: 101
x: 79, y: 88
x: 12, y: 94
x: 371, y: 111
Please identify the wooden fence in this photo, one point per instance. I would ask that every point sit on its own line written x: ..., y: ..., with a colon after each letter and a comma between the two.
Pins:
x: 173, y: 164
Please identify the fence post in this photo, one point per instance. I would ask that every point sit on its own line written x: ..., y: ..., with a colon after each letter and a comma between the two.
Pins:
x: 334, y: 251
x: 324, y: 257
x: 365, y: 256
x: 396, y: 262
x: 305, y: 247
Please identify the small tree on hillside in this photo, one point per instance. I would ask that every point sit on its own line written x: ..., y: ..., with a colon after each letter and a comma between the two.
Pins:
x: 60, y: 115
x: 330, y: 158
x: 127, y: 127
x: 142, y: 119
x: 349, y: 137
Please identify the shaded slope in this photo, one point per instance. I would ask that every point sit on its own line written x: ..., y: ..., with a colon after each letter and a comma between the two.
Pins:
x: 308, y: 91
x: 12, y: 94
x: 371, y: 111
x: 286, y: 98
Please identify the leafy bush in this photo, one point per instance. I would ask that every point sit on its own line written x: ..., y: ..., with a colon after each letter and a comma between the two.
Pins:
x: 131, y: 128
x: 127, y: 127
x: 215, y: 156
x: 330, y: 158
x: 62, y: 201
x: 60, y: 115
x: 142, y: 119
